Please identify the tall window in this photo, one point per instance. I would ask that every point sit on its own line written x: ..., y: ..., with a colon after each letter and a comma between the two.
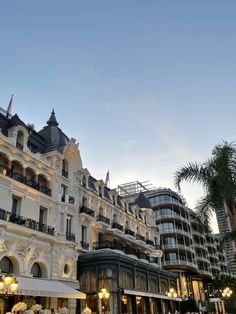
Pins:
x: 84, y: 201
x: 65, y: 168
x: 84, y: 234
x: 16, y: 205
x: 68, y: 224
x: 20, y: 140
x: 64, y: 190
x: 42, y: 215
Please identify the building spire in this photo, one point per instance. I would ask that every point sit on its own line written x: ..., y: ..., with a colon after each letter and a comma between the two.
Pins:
x: 52, y: 120
x: 9, y: 108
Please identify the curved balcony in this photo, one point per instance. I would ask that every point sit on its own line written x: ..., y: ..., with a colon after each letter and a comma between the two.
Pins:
x: 179, y: 264
x: 160, y: 216
x: 205, y: 273
x: 141, y: 238
x: 194, y: 232
x: 129, y: 232
x: 204, y: 259
x: 103, y: 221
x: 70, y: 236
x: 216, y: 267
x: 175, y: 230
x: 177, y: 246
x: 200, y: 246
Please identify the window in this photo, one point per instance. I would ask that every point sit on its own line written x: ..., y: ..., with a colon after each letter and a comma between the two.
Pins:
x: 65, y: 168
x: 62, y: 222
x: 84, y: 201
x: 36, y: 270
x: 16, y: 205
x: 6, y: 265
x: 84, y: 234
x: 84, y: 181
x: 43, y: 215
x: 64, y: 193
x: 68, y: 224
x: 20, y: 140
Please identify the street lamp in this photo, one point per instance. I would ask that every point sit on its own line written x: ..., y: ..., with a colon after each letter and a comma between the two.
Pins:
x: 8, y: 284
x: 227, y: 292
x: 103, y: 296
x: 172, y: 294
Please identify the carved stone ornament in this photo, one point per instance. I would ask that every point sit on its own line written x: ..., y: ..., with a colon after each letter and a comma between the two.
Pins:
x: 3, y: 246
x: 28, y: 252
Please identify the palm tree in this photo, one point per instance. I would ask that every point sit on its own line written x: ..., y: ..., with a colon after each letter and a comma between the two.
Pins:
x: 218, y: 177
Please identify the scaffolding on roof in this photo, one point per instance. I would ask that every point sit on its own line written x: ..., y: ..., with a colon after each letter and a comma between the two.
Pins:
x: 134, y: 187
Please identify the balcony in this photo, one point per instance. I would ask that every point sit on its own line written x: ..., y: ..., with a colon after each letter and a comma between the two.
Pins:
x: 129, y: 232
x: 175, y: 230
x: 179, y: 264
x: 70, y: 236
x: 164, y: 216
x: 26, y: 222
x: 139, y: 237
x: 101, y: 218
x: 149, y: 242
x: 86, y: 210
x: 114, y: 245
x: 84, y: 245
x: 24, y: 180
x: 19, y: 146
x: 117, y: 226
x: 178, y: 246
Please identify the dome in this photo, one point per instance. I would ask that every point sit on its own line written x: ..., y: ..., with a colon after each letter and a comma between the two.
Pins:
x: 53, y: 136
x: 142, y: 201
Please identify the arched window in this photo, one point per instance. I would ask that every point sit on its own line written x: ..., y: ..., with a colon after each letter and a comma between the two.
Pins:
x: 6, y: 265
x: 36, y: 270
x: 20, y: 140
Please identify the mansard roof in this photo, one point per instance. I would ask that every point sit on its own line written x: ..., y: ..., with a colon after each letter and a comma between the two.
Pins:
x: 142, y: 201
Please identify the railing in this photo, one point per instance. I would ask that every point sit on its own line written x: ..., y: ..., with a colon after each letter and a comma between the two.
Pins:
x: 86, y: 210
x: 129, y: 232
x: 71, y: 200
x: 149, y: 242
x: 178, y: 246
x: 70, y: 236
x: 160, y: 216
x: 64, y: 173
x: 179, y: 262
x: 140, y: 237
x: 103, y: 219
x: 84, y: 245
x: 26, y: 222
x: 175, y: 230
x: 19, y: 145
x: 115, y: 225
x: 114, y: 245
x: 25, y: 180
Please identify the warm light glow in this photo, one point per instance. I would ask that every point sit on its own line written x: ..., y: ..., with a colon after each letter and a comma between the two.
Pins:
x: 227, y: 292
x: 1, y: 283
x: 14, y: 285
x: 8, y: 279
x: 172, y: 294
x: 104, y: 294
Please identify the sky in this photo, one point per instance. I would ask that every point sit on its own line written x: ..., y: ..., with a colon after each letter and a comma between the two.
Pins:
x: 144, y: 86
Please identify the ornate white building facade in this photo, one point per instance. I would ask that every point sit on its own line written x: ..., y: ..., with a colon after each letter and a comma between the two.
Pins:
x: 52, y: 211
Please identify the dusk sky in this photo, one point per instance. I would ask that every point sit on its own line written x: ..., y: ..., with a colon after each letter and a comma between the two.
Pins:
x: 144, y: 86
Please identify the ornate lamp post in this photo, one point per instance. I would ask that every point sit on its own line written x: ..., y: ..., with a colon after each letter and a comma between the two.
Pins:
x: 8, y: 284
x: 172, y: 294
x: 104, y: 296
x: 227, y: 292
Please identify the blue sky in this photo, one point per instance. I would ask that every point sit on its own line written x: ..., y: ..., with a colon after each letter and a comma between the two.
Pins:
x: 144, y: 86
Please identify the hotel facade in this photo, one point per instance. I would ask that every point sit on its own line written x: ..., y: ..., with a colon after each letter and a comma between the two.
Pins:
x: 65, y: 235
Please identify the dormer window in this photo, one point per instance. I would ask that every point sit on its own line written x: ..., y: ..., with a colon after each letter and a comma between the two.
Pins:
x: 114, y: 199
x: 65, y: 168
x: 84, y: 181
x: 20, y: 140
x: 100, y: 191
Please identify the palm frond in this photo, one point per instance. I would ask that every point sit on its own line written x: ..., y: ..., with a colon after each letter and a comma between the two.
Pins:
x: 192, y: 172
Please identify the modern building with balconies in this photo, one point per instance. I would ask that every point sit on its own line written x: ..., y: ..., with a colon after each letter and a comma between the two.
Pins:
x: 189, y: 248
